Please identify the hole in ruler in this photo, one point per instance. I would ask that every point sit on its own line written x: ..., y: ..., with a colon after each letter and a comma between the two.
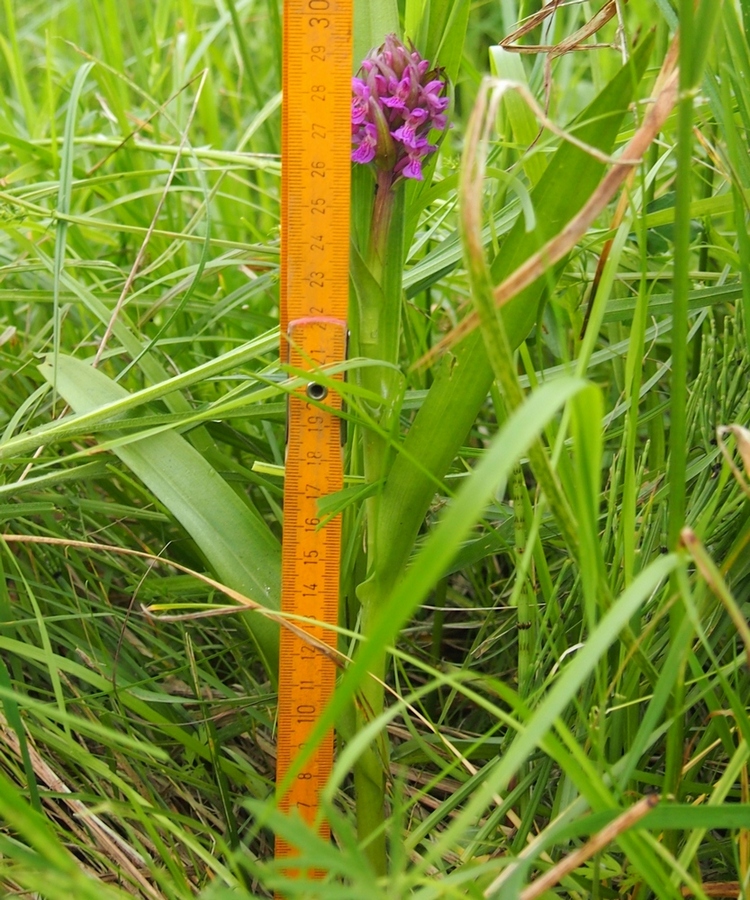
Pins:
x: 317, y: 391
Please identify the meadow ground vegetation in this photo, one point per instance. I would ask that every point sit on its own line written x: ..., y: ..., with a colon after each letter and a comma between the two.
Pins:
x: 545, y: 561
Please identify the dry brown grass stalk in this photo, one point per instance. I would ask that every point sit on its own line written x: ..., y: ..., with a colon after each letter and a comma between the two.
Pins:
x: 598, y: 842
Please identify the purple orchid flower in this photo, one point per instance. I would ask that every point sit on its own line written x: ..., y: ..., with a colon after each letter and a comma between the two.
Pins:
x: 396, y: 102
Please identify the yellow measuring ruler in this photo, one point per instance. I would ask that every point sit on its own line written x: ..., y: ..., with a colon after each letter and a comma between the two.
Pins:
x: 315, y: 188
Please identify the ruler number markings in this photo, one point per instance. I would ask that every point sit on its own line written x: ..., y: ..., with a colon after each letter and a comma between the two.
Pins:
x: 314, y: 278
x: 321, y: 35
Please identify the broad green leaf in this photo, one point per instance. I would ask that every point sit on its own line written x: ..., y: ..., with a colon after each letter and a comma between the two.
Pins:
x: 677, y: 816
x: 567, y: 183
x: 438, y: 28
x: 464, y: 376
x: 238, y: 545
x: 507, y: 447
x: 373, y: 20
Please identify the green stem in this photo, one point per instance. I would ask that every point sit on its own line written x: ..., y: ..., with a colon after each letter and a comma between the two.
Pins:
x: 379, y: 335
x: 681, y: 278
x: 524, y: 611
x: 382, y: 216
x: 379, y: 317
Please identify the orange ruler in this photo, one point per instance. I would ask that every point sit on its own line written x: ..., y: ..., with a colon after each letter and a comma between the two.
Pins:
x: 315, y: 186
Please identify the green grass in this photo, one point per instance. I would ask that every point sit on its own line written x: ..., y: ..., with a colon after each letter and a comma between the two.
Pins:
x: 556, y: 644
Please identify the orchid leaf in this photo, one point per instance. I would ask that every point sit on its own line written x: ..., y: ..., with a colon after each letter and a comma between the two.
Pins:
x: 373, y: 20
x: 463, y: 377
x: 237, y: 544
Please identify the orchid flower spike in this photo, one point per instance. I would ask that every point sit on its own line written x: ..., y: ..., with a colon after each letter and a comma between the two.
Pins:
x: 397, y: 100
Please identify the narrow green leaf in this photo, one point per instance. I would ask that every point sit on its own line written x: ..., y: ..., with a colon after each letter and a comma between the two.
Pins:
x: 165, y: 389
x: 35, y: 829
x: 565, y: 688
x: 63, y: 198
x: 522, y: 121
